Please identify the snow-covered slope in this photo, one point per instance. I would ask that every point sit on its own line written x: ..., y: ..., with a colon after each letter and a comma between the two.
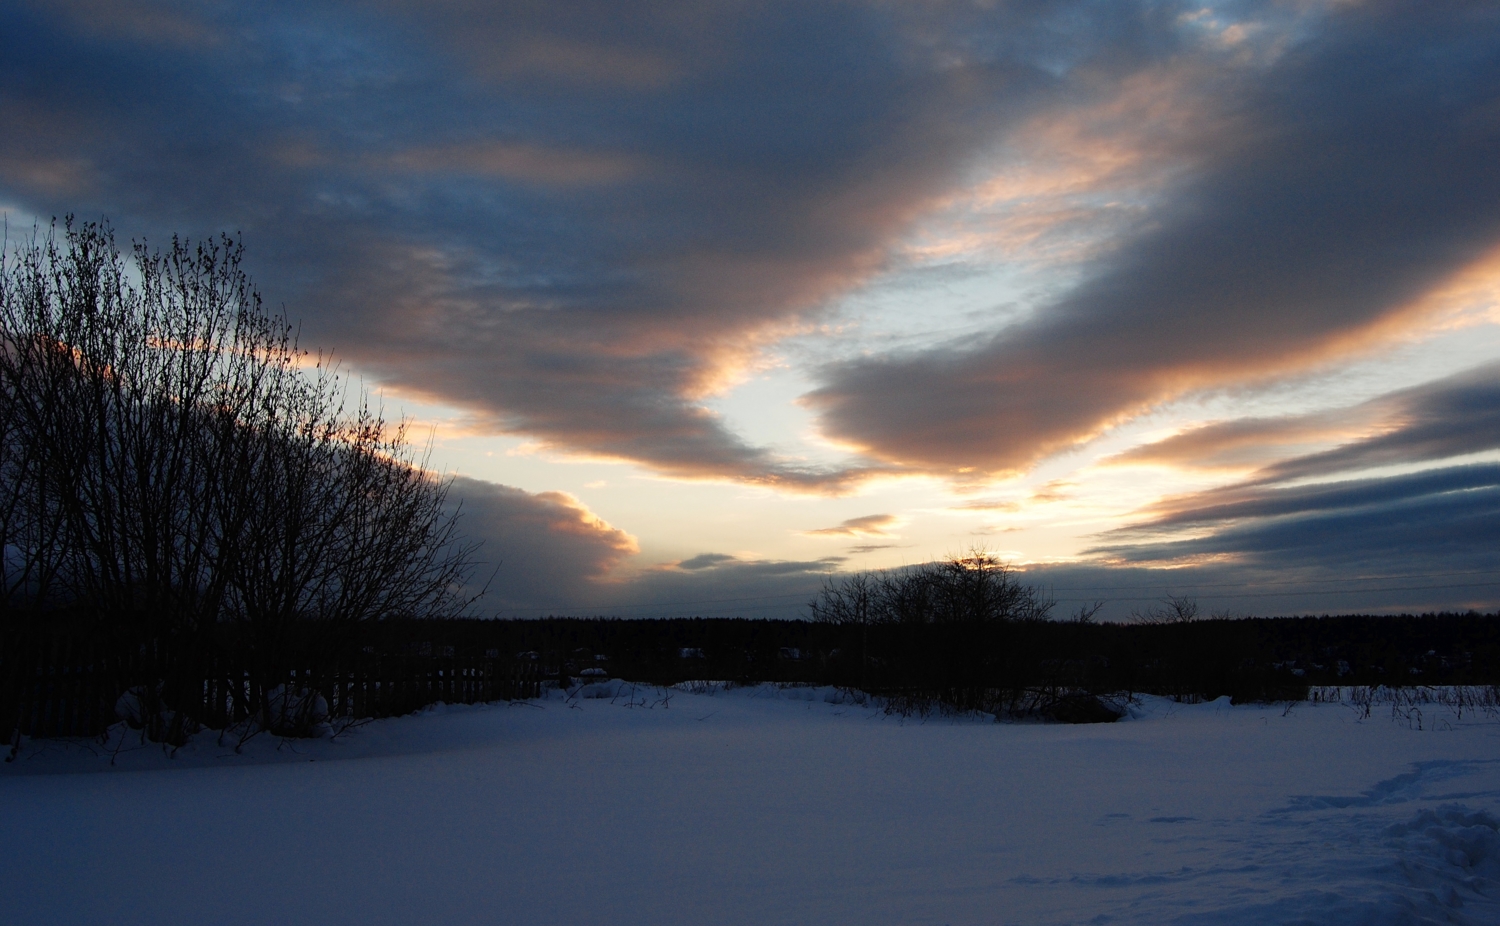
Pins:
x: 766, y: 806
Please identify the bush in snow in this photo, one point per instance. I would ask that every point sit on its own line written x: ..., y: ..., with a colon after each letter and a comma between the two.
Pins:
x: 141, y: 708
x: 295, y: 712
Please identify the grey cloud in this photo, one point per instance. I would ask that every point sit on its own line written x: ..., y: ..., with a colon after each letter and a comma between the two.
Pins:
x: 1241, y: 502
x: 1340, y: 182
x: 870, y: 548
x: 579, y: 222
x: 575, y: 222
x: 729, y: 588
x: 1419, y: 542
x: 1442, y: 522
x: 1439, y: 521
x: 706, y: 561
x: 539, y: 547
x: 1244, y: 589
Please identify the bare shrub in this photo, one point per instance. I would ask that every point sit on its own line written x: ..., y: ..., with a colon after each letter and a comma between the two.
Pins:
x: 1417, y: 705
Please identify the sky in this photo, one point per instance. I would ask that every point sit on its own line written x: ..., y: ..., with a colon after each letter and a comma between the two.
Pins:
x: 703, y: 304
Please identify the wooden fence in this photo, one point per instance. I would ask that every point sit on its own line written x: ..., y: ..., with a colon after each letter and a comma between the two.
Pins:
x: 67, y: 686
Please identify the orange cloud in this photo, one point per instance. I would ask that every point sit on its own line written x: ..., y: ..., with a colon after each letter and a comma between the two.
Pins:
x: 987, y: 505
x: 1246, y: 443
x: 871, y: 525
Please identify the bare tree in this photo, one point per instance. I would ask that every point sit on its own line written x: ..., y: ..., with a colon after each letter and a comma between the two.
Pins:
x: 170, y: 456
x: 1173, y: 609
x: 974, y: 588
x: 1087, y: 612
x: 854, y: 598
x: 980, y: 588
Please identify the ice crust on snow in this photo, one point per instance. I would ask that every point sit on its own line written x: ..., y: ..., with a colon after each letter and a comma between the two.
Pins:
x: 623, y: 803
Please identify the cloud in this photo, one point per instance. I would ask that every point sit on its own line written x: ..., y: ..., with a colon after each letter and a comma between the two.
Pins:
x: 541, y: 547
x: 1242, y: 443
x: 871, y: 525
x: 559, y: 167
x: 705, y: 561
x: 1438, y: 522
x: 591, y: 45
x: 725, y: 586
x: 1437, y: 526
x: 1344, y: 178
x: 1239, y: 589
x: 1069, y: 180
x: 1248, y: 502
x: 148, y: 21
x: 987, y: 504
x: 578, y: 223
x: 1451, y: 417
x: 707, y: 585
x: 869, y: 548
x: 1057, y: 490
x: 1419, y: 542
x: 583, y: 224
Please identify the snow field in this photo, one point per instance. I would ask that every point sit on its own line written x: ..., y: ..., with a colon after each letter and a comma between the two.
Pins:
x: 627, y: 804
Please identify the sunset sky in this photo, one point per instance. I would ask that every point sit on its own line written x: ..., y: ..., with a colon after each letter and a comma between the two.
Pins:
x: 704, y: 302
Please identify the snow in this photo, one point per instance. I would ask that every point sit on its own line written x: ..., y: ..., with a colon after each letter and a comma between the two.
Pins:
x: 625, y: 804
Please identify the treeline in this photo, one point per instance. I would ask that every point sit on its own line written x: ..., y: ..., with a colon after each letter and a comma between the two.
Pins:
x: 968, y: 634
x: 1035, y: 666
x: 178, y: 475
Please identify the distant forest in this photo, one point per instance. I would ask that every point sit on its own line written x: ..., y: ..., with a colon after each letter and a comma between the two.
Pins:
x: 978, y: 665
